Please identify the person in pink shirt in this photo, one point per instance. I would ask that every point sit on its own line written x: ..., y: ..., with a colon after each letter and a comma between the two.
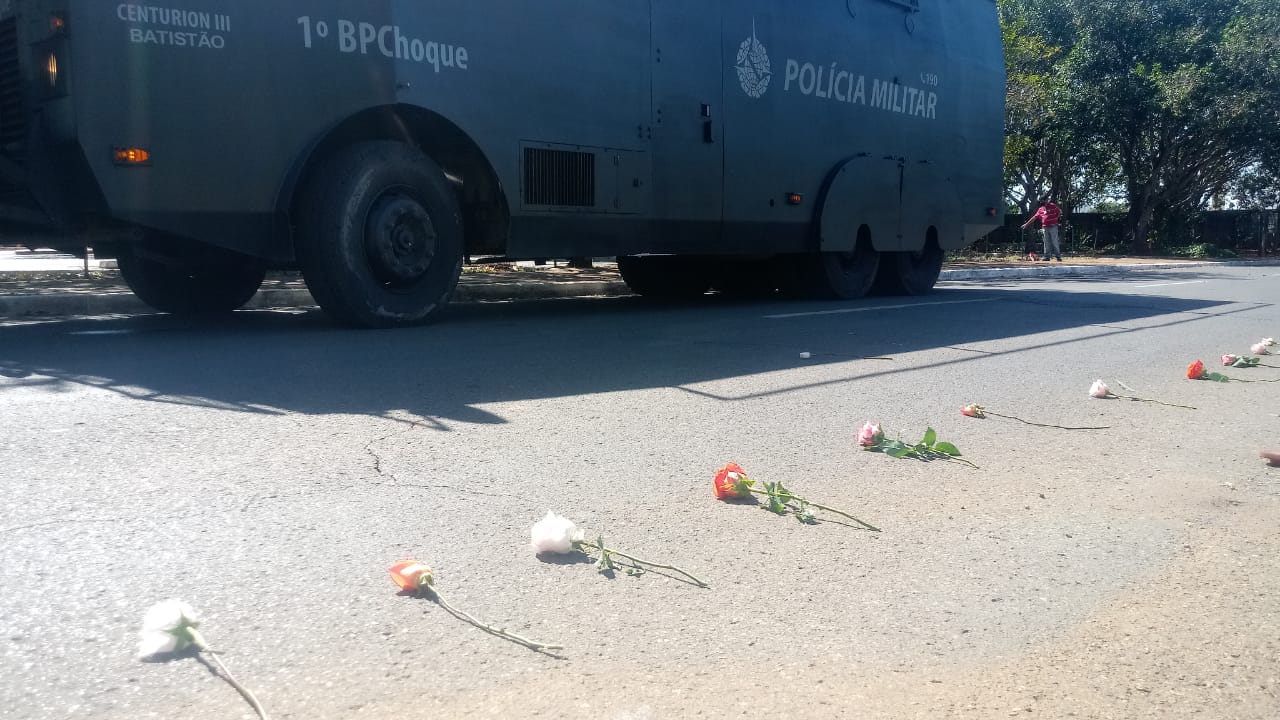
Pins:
x: 1049, y: 216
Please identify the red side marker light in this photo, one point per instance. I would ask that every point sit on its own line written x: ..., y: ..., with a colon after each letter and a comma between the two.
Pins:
x: 795, y: 199
x: 57, y: 24
x: 991, y: 212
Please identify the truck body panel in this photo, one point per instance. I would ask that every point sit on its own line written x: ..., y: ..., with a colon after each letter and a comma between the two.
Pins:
x: 565, y: 128
x: 693, y: 124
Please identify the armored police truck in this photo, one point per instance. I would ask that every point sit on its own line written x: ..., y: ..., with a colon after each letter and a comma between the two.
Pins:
x: 827, y: 147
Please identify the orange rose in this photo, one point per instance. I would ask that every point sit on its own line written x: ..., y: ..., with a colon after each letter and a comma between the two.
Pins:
x: 410, y: 575
x: 731, y: 482
x: 1195, y: 370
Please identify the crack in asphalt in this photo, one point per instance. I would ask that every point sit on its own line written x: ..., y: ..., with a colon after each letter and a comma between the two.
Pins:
x: 79, y: 521
x: 397, y: 483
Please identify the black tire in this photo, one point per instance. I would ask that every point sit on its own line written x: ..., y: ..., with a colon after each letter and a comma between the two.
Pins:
x: 834, y: 275
x: 380, y: 238
x: 910, y: 273
x: 665, y: 277
x: 207, y: 281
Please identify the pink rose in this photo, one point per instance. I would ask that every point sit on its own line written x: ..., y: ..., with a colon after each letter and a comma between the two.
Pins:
x: 1228, y: 360
x: 870, y: 435
x: 1259, y: 349
x: 1099, y: 389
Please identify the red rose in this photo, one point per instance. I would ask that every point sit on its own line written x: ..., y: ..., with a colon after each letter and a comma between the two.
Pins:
x: 410, y: 574
x: 1195, y: 370
x: 731, y: 482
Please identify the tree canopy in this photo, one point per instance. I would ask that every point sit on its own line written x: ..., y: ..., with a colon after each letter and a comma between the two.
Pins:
x: 1170, y: 102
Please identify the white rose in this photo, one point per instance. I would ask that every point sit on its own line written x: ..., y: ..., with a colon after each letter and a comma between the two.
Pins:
x: 151, y: 644
x: 1099, y: 389
x: 553, y: 534
x: 166, y: 628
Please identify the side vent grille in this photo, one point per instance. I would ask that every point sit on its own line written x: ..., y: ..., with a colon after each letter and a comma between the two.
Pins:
x: 559, y: 178
x: 13, y: 121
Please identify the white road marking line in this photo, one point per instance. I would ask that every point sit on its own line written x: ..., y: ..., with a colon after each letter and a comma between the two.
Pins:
x: 844, y: 311
x: 1184, y: 282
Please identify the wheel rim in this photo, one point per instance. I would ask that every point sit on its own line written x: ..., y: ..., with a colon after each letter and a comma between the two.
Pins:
x: 400, y: 240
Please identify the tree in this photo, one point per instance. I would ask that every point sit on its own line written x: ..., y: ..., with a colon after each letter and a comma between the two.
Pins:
x: 1258, y: 188
x: 1183, y: 93
x: 1044, y: 155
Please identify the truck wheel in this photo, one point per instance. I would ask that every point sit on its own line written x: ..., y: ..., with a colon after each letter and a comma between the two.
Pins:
x: 211, y: 281
x: 380, y: 237
x: 664, y: 277
x: 836, y: 275
x: 910, y: 273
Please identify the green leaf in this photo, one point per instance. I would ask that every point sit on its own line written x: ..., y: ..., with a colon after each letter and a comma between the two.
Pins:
x: 605, y: 563
x: 901, y: 452
x: 889, y: 446
x: 947, y: 448
x: 1217, y: 377
x: 930, y: 437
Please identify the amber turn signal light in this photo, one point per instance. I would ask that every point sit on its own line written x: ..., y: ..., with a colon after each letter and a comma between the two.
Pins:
x: 795, y: 199
x: 131, y: 156
x: 57, y: 24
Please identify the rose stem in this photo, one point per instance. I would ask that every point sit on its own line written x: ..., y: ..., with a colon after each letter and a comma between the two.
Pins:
x: 247, y: 694
x: 531, y: 644
x: 1138, y: 399
x: 1060, y: 427
x: 945, y: 456
x: 841, y: 513
x: 633, y: 558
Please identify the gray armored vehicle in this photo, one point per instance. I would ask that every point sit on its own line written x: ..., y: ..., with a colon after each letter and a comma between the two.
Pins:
x: 825, y: 147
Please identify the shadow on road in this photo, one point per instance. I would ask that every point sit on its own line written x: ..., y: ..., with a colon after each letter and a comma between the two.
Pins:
x: 274, y: 362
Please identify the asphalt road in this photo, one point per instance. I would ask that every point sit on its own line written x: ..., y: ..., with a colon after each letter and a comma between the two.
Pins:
x: 268, y: 467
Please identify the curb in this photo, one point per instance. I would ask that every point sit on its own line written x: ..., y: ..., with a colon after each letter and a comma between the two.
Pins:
x: 539, y: 291
x: 1086, y: 270
x: 122, y: 303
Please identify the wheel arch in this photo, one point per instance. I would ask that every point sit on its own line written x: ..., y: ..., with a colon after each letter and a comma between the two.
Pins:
x: 486, y: 214
x: 861, y: 191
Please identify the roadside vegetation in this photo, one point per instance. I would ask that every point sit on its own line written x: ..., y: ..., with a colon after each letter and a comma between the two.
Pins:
x: 1151, y: 112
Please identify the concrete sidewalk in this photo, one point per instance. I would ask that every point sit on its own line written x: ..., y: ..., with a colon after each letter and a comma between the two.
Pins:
x: 46, y: 284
